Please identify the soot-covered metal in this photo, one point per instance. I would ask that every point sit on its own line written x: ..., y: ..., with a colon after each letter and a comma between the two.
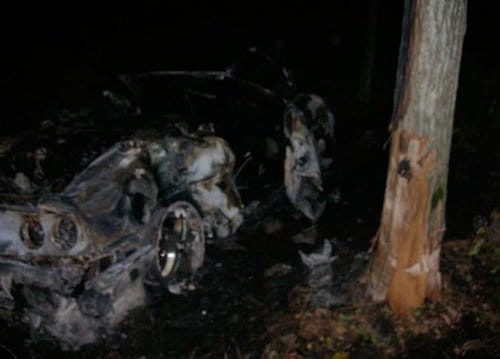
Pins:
x: 78, y: 255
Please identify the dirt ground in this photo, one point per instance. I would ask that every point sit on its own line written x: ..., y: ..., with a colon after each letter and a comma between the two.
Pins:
x: 463, y: 323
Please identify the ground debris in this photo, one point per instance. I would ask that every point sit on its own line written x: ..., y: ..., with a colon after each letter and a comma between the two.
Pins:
x: 463, y: 323
x: 278, y: 269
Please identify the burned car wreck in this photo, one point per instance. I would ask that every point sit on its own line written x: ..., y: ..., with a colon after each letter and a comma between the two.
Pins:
x: 137, y: 217
x: 82, y: 258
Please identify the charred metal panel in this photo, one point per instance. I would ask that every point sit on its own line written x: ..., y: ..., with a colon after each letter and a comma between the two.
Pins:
x: 308, y: 125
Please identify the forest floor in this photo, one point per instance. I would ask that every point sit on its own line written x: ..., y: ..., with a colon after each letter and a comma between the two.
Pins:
x: 463, y: 323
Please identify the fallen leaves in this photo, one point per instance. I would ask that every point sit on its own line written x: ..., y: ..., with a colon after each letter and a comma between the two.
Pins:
x: 463, y: 323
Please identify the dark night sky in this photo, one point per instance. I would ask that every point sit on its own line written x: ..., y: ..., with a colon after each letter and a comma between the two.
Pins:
x: 57, y: 54
x: 49, y: 48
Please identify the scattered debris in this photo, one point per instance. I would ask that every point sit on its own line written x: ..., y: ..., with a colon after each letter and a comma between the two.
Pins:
x: 279, y: 269
x: 321, y: 258
x: 320, y: 277
x: 307, y: 236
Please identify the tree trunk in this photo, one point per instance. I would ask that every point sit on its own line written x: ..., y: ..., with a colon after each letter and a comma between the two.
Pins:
x: 404, y: 268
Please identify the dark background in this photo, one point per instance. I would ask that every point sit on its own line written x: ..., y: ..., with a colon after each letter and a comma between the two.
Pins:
x: 54, y: 48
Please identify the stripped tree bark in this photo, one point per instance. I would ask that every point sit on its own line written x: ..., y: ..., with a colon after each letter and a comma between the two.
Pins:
x: 404, y: 266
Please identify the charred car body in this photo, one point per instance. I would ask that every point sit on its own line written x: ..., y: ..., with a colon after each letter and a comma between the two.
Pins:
x: 137, y: 216
x: 81, y: 259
